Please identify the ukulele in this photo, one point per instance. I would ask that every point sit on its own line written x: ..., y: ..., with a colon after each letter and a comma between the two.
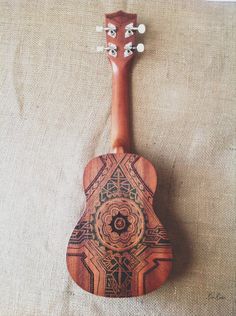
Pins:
x: 119, y: 248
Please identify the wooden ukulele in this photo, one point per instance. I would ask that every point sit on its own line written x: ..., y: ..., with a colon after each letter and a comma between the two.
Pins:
x: 119, y: 248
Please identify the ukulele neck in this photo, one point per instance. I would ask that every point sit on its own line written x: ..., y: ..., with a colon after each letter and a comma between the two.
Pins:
x: 120, y: 39
x: 120, y: 109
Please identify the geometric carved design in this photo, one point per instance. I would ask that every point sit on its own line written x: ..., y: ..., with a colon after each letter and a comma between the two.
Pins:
x: 119, y: 224
x: 119, y: 275
x: 118, y: 185
x: 81, y: 232
x: 119, y: 248
x: 155, y: 237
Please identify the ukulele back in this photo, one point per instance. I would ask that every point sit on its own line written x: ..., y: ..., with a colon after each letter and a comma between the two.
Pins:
x: 119, y: 248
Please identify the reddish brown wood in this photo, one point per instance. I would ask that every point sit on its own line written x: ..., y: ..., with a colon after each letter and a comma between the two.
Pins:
x: 119, y: 248
x: 120, y: 132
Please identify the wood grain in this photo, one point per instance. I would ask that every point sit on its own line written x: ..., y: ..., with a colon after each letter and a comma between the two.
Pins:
x: 120, y: 132
x: 119, y: 248
x: 121, y: 67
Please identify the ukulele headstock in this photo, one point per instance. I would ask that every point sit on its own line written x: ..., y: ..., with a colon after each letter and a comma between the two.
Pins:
x: 121, y: 28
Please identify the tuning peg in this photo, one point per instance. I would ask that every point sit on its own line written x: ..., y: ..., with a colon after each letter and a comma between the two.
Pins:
x: 111, y: 29
x: 99, y: 28
x: 141, y: 28
x: 100, y: 49
x: 111, y: 48
x: 129, y: 49
x: 140, y: 48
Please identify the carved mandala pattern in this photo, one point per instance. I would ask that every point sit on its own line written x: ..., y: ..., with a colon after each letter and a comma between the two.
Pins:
x: 119, y: 226
x: 119, y: 247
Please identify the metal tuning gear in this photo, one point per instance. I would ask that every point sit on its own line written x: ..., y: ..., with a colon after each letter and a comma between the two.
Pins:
x: 111, y: 29
x: 111, y: 48
x: 130, y: 28
x: 128, y: 49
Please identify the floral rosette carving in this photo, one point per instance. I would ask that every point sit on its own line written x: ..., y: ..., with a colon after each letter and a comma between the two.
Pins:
x: 119, y: 224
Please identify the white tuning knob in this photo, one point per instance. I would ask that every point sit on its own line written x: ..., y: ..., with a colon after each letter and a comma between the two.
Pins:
x: 141, y: 28
x: 100, y: 49
x: 128, y: 49
x: 111, y: 29
x: 111, y: 48
x: 99, y: 28
x: 140, y: 48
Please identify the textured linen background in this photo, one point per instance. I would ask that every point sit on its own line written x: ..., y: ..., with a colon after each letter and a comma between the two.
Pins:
x: 55, y: 116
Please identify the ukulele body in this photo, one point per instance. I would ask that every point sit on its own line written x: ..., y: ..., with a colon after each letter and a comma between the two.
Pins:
x: 119, y: 248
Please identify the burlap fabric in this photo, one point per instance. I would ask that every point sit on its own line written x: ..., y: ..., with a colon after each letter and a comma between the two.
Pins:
x: 55, y: 116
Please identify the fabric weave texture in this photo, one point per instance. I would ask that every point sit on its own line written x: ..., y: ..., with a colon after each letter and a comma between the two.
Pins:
x: 55, y: 115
